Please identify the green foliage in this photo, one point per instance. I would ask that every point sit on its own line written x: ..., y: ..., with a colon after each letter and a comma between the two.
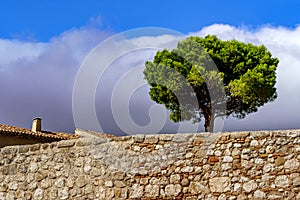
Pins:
x: 246, y: 72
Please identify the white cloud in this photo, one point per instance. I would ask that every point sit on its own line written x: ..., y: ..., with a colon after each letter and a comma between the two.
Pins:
x: 12, y: 51
x: 36, y: 79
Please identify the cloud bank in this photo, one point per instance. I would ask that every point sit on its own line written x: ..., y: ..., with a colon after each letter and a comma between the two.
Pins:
x: 36, y: 79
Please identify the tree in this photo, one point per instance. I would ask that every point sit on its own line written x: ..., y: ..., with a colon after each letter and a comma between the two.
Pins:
x: 245, y: 73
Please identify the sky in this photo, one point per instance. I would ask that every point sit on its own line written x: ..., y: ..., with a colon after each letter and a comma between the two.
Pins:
x: 44, y: 43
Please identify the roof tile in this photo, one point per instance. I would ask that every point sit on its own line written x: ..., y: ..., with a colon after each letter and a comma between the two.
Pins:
x: 29, y: 134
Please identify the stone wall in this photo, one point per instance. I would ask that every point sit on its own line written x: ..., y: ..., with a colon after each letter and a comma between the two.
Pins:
x: 242, y: 165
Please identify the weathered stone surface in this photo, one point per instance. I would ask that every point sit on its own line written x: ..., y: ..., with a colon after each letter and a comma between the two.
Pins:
x: 236, y: 152
x: 66, y: 143
x: 239, y: 135
x: 187, y: 169
x: 197, y: 188
x: 41, y: 174
x: 118, y: 175
x: 213, y: 159
x: 282, y: 181
x: 81, y: 181
x: 279, y: 161
x: 9, y: 150
x: 63, y: 193
x: 258, y: 194
x: 227, y: 151
x: 218, y: 153
x: 226, y: 166
x: 237, y: 187
x: 163, y: 181
x: 270, y: 149
x: 259, y: 134
x: 258, y: 161
x: 120, y: 193
x: 166, y: 137
x: 174, y: 166
x: 254, y: 143
x: 178, y: 138
x: 59, y: 182
x: 109, y: 193
x: 154, y: 181
x: 152, y: 191
x: 136, y: 191
x: 46, y: 183
x: 296, y: 181
x: 84, y: 141
x: 172, y: 190
x: 274, y: 195
x: 185, y: 182
x: 292, y: 164
x: 152, y: 139
x: 119, y: 184
x: 175, y: 178
x: 33, y: 167
x: 100, y: 192
x: 13, y: 185
x: 87, y: 168
x: 227, y: 159
x: 144, y: 181
x: 38, y: 194
x: 12, y: 169
x: 249, y: 186
x: 108, y: 183
x: 268, y: 167
x: 220, y: 184
x: 138, y: 138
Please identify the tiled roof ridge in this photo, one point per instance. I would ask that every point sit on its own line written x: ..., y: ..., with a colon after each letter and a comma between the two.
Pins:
x: 29, y: 134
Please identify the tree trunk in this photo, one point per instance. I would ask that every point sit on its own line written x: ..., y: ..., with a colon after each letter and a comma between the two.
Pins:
x: 209, y: 123
x: 204, y: 103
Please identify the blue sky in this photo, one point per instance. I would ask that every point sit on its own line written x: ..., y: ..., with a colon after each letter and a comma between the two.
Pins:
x: 43, y: 44
x: 41, y: 20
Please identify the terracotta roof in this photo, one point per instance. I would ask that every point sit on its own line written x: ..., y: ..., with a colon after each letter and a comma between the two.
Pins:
x: 25, y: 133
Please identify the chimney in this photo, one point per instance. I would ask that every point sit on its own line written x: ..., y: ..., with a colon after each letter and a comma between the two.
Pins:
x: 36, y: 124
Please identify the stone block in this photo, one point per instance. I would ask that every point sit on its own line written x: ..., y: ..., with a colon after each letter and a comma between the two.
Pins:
x: 220, y: 184
x: 136, y: 191
x: 84, y: 141
x: 166, y: 137
x: 249, y: 186
x: 152, y: 191
x: 179, y: 138
x: 292, y: 164
x: 172, y: 190
x: 213, y: 159
x: 65, y: 143
x: 282, y: 181
x: 279, y: 161
x: 197, y: 188
x: 81, y: 181
x: 239, y: 135
x: 175, y: 178
x: 151, y: 139
x: 138, y: 138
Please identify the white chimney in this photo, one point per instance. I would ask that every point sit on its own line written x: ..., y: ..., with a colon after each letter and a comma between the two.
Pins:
x: 36, y: 124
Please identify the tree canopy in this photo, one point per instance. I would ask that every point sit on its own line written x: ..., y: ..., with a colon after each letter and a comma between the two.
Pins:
x: 245, y: 73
